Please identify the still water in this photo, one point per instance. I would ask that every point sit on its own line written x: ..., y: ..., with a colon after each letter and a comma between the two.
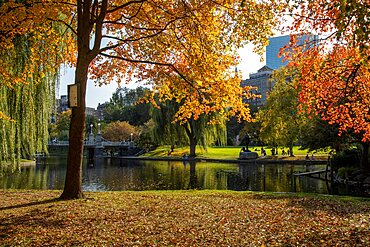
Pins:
x: 119, y: 174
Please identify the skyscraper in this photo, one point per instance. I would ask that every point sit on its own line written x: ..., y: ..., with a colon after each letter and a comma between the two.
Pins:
x: 273, y: 60
x: 276, y: 43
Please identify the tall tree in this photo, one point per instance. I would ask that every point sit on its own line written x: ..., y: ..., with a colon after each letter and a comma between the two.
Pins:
x: 125, y: 105
x: 30, y: 56
x: 335, y: 76
x: 192, y: 41
x: 192, y: 132
x: 281, y: 122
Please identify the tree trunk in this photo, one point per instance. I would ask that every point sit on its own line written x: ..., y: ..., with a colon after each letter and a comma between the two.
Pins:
x: 189, y: 129
x: 73, y: 180
x: 365, y: 156
x: 291, y: 151
x: 193, y: 145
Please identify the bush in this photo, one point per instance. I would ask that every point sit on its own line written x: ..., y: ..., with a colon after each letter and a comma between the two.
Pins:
x: 347, y: 158
x: 119, y: 131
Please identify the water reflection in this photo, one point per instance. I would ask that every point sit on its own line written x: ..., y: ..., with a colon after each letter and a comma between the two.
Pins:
x: 119, y: 174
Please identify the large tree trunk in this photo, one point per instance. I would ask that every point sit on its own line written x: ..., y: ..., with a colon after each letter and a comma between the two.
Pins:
x: 365, y: 156
x: 192, y: 138
x: 193, y: 146
x: 73, y: 180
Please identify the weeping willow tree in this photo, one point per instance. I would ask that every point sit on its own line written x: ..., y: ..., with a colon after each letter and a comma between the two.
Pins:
x: 28, y: 81
x: 192, y: 132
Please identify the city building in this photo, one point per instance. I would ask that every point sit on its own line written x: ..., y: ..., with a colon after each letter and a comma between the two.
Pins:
x: 90, y: 111
x: 62, y: 105
x: 262, y: 79
x: 100, y: 110
x: 273, y: 60
x: 262, y: 83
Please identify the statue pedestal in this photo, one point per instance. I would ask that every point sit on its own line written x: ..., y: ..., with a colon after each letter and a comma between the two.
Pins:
x: 248, y: 155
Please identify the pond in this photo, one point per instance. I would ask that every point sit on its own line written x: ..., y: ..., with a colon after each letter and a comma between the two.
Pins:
x: 112, y: 174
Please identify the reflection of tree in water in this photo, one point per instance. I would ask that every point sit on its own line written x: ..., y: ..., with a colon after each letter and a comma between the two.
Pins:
x: 193, y: 181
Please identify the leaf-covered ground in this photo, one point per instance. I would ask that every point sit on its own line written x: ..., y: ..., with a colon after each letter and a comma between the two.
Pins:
x: 181, y: 218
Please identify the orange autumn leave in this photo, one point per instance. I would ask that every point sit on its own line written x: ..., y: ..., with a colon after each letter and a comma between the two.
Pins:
x: 335, y: 75
x: 337, y: 88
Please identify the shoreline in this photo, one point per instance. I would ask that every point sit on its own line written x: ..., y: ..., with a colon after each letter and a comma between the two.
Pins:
x: 24, y: 163
x: 266, y: 159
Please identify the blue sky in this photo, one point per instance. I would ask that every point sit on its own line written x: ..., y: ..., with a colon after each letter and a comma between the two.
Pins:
x: 95, y: 94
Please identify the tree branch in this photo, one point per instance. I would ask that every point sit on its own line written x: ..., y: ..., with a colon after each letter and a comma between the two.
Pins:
x: 99, y: 27
x: 150, y: 62
x: 131, y: 39
x: 69, y: 26
x: 125, y: 5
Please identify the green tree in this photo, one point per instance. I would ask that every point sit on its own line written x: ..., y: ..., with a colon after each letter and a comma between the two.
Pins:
x: 192, y: 132
x: 62, y: 125
x: 125, y: 105
x: 25, y: 106
x: 252, y: 129
x: 281, y: 121
x: 318, y: 134
x: 233, y: 127
x: 146, y: 138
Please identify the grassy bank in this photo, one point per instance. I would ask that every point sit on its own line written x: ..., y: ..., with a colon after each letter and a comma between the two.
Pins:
x: 182, y: 218
x: 226, y: 152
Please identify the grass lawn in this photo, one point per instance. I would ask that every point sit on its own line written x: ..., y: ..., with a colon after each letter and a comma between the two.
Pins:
x: 221, y: 152
x: 182, y: 218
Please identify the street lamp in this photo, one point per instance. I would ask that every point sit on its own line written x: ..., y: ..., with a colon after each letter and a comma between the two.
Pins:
x: 91, y: 126
x: 98, y: 128
x: 131, y: 136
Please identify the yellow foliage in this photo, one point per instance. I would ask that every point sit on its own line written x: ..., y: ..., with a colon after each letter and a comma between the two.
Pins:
x: 119, y: 131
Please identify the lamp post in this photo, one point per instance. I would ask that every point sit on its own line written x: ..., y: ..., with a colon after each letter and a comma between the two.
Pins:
x: 91, y: 135
x: 98, y: 138
x: 131, y: 136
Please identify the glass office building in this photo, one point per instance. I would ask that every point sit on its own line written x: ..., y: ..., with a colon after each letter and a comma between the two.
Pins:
x: 273, y: 60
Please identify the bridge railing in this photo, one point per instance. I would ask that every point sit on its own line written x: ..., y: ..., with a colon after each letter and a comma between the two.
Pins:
x: 59, y: 143
x: 86, y: 143
x: 109, y: 143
